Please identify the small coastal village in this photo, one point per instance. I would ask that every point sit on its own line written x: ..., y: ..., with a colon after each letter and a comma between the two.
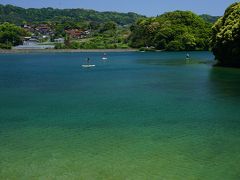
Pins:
x: 41, y: 37
x: 48, y: 28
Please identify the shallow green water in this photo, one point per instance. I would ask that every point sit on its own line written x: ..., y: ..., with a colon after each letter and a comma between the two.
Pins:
x: 136, y: 116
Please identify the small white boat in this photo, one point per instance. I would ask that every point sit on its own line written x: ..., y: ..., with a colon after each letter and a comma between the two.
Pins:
x: 88, y: 65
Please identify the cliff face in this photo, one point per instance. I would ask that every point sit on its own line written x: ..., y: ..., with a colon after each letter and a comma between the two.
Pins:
x: 226, y: 37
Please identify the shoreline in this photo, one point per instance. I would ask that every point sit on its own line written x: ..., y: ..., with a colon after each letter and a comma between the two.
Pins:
x: 16, y: 51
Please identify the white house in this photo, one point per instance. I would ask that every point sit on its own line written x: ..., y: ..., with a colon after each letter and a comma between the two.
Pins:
x: 30, y: 42
x: 59, y: 40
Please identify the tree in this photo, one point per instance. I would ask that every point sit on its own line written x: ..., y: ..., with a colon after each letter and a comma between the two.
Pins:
x: 175, y: 46
x: 225, y: 39
x: 11, y: 34
x: 188, y: 41
x: 173, y: 31
x: 108, y: 26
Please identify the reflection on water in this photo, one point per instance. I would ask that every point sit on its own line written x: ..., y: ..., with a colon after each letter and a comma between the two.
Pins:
x: 176, y: 58
x: 225, y: 82
x: 174, y: 62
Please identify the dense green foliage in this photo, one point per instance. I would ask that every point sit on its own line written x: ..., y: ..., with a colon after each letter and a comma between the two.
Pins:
x: 18, y: 15
x: 109, y: 36
x: 10, y: 34
x: 226, y: 37
x: 209, y: 18
x: 101, y: 24
x: 173, y: 31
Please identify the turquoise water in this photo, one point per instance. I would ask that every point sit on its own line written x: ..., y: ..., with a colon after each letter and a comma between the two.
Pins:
x: 135, y: 116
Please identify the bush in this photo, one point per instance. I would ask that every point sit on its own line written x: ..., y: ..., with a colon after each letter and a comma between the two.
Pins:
x: 175, y: 46
x: 5, y: 46
x: 60, y: 46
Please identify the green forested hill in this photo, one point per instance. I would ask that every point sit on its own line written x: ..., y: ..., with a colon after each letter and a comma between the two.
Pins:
x: 209, y: 18
x: 174, y: 31
x: 226, y: 37
x: 18, y: 15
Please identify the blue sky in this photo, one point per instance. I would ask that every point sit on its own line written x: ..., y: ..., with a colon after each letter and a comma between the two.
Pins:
x: 145, y: 7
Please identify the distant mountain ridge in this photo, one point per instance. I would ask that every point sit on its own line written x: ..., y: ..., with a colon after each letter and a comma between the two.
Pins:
x: 209, y: 18
x: 19, y: 15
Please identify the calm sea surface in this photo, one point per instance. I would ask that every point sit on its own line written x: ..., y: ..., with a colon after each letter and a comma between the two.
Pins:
x: 135, y: 116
